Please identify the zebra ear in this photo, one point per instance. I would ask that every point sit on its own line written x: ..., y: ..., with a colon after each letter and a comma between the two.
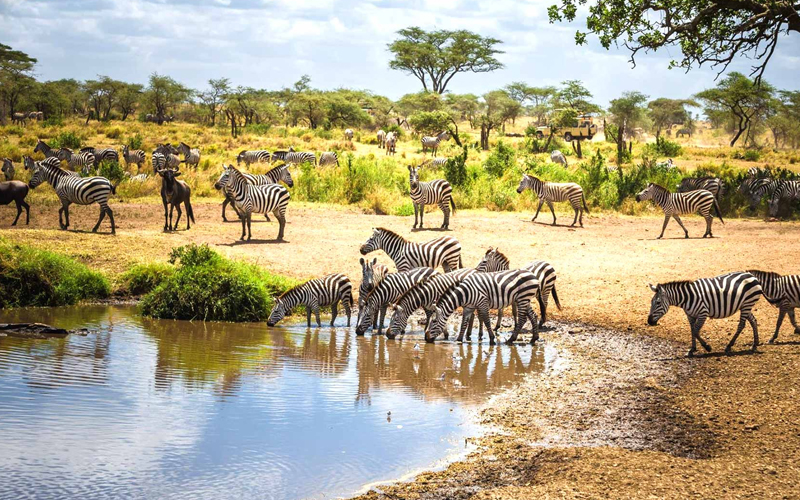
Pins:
x: 361, y: 260
x: 374, y: 261
x: 652, y: 287
x: 410, y: 168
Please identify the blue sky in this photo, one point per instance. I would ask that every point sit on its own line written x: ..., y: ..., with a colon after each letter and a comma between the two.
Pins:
x: 271, y: 43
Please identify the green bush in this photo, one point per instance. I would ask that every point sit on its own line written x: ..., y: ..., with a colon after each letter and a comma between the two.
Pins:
x: 455, y: 169
x: 114, y: 133
x: 209, y: 287
x: 143, y: 278
x: 500, y: 159
x: 135, y: 142
x: 747, y: 155
x: 112, y: 171
x: 66, y: 139
x: 258, y: 128
x: 53, y: 121
x: 663, y: 147
x: 15, y: 130
x: 31, y: 277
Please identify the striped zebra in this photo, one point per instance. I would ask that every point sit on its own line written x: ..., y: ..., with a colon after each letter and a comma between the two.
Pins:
x: 675, y: 204
x: 717, y: 297
x: 8, y: 169
x: 432, y: 143
x: 785, y: 190
x: 714, y: 185
x: 666, y: 165
x: 47, y: 151
x: 165, y: 156
x: 549, y: 192
x: 249, y: 198
x: 438, y: 162
x: 85, y: 159
x: 388, y: 291
x: 444, y: 251
x: 494, y: 261
x: 348, y: 134
x: 274, y: 176
x: 424, y: 295
x: 73, y: 189
x: 138, y: 178
x: 133, y: 157
x: 191, y: 156
x: 328, y: 158
x: 372, y: 273
x: 435, y: 192
x: 29, y: 164
x: 391, y: 143
x: 381, y: 139
x: 255, y: 156
x: 294, y: 157
x: 102, y: 154
x: 558, y: 157
x: 782, y: 292
x: 484, y: 291
x: 321, y: 292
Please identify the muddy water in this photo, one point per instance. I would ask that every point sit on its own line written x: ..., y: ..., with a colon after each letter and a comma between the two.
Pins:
x: 167, y: 409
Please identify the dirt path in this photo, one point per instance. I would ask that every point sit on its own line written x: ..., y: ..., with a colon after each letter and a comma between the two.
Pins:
x: 737, y: 415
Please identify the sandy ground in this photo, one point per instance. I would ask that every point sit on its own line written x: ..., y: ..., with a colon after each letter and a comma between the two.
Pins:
x: 721, y: 426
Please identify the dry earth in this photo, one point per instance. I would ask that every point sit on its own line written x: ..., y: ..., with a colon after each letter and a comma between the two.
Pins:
x: 639, y: 420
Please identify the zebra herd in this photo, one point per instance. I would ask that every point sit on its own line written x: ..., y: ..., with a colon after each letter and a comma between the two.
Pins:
x: 19, y: 118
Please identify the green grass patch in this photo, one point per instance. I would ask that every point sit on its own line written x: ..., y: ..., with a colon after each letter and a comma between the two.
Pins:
x: 144, y: 278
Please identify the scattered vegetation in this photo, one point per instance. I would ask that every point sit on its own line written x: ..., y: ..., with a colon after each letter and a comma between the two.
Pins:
x: 143, y: 278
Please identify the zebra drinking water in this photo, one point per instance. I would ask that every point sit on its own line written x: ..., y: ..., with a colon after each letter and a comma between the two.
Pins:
x: 675, y: 204
x: 386, y: 292
x: 249, y: 198
x: 444, y: 251
x: 372, y: 273
x: 191, y: 156
x: 435, y: 192
x: 256, y: 156
x: 549, y: 192
x: 432, y: 143
x: 717, y: 297
x: 313, y: 294
x: 782, y: 292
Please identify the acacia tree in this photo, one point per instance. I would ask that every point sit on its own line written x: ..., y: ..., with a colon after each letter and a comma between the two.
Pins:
x: 128, y: 99
x: 435, y: 57
x: 537, y: 98
x: 163, y: 93
x: 16, y: 77
x: 707, y: 31
x: 665, y: 112
x: 213, y: 98
x: 496, y: 111
x: 740, y: 99
x: 627, y: 112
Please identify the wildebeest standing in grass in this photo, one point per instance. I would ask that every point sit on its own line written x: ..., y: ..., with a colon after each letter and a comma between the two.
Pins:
x: 15, y: 191
x: 173, y: 193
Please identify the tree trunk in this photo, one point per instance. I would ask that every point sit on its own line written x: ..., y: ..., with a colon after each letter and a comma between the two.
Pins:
x: 485, y: 129
x: 620, y: 144
x: 549, y: 139
x: 578, y: 149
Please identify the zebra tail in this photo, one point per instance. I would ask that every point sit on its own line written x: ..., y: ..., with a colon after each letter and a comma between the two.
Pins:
x: 460, y: 263
x: 586, y: 208
x: 555, y: 298
x: 453, y: 204
x: 189, y: 211
x: 113, y: 188
x: 716, y: 209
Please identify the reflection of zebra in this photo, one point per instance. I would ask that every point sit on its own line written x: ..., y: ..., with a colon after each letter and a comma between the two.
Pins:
x: 256, y: 156
x: 713, y: 185
x: 785, y: 190
x: 783, y: 292
x: 549, y: 192
x: 558, y: 157
x: 84, y: 159
x: 435, y: 192
x: 381, y: 139
x: 249, y: 198
x: 8, y: 169
x: 191, y: 156
x: 432, y: 143
x: 675, y: 204
x: 372, y: 273
x: 717, y: 297
x: 386, y: 292
x: 391, y: 143
x: 444, y: 251
x: 348, y: 134
x: 313, y: 294
x: 328, y: 158
x: 133, y: 157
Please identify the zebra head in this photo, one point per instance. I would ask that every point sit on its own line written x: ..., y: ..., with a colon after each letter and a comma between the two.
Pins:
x: 413, y: 177
x: 774, y: 202
x: 394, y: 330
x: 41, y: 147
x: 373, y: 243
x: 493, y: 261
x: 525, y: 183
x: 223, y: 178
x: 8, y: 169
x: 37, y: 177
x: 125, y: 150
x: 64, y: 154
x: 286, y: 176
x: 240, y: 157
x: 279, y: 310
x: 365, y: 317
x: 646, y: 193
x: 28, y: 162
x: 659, y: 305
x: 436, y: 325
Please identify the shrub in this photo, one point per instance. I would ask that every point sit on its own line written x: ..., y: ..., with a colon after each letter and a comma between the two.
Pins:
x: 135, y: 141
x: 113, y: 133
x: 455, y: 169
x: 143, y: 278
x: 663, y: 147
x: 31, y: 277
x: 112, y: 171
x: 397, y: 129
x: 53, y: 121
x: 500, y: 159
x: 27, y: 141
x: 66, y: 139
x: 747, y: 155
x: 15, y: 130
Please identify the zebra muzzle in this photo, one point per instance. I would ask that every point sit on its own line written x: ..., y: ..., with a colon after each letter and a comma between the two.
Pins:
x: 652, y: 321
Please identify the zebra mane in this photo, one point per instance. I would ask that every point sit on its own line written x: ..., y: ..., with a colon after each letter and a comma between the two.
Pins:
x: 675, y: 284
x: 390, y: 232
x: 292, y: 290
x: 766, y: 274
x: 660, y: 187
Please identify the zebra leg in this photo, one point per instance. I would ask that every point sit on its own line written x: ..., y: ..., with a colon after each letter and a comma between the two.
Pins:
x: 680, y: 223
x: 751, y: 318
x: 347, y: 309
x: 742, y: 322
x: 225, y: 203
x: 790, y: 312
x: 415, y: 215
x: 421, y: 214
x: 316, y: 315
x: 552, y: 210
x: 664, y: 227
x: 249, y: 227
x: 334, y: 311
x: 111, y: 218
x: 483, y: 316
x: 102, y: 216
x: 308, y: 316
x: 577, y: 211
x: 60, y: 214
x: 781, y: 314
x: 709, y: 219
x: 66, y: 216
x: 282, y: 223
x: 243, y: 218
x: 696, y: 324
x: 534, y: 322
x: 539, y: 208
x: 446, y: 211
x: 499, y: 319
x: 382, y: 318
x: 466, y: 325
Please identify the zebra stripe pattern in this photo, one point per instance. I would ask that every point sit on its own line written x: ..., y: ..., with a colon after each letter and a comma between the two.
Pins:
x: 675, y: 204
x: 717, y: 297
x: 386, y: 292
x: 47, y: 151
x: 328, y: 158
x: 139, y: 178
x: 757, y: 187
x: 785, y: 190
x: 713, y: 185
x: 432, y: 143
x: 550, y: 192
x: 255, y: 156
x: 294, y: 157
x: 73, y: 189
x: 191, y: 156
x: 274, y: 176
x: 372, y: 273
x: 436, y: 192
x: 170, y: 160
x: 133, y: 156
x: 782, y: 292
x: 8, y: 169
x: 102, y: 154
x: 313, y: 294
x: 381, y: 139
x: 485, y: 291
x: 84, y: 159
x: 438, y: 162
x: 444, y: 251
x: 248, y: 198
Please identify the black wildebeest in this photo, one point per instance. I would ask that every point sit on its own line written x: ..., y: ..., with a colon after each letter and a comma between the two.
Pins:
x: 15, y: 191
x: 173, y: 193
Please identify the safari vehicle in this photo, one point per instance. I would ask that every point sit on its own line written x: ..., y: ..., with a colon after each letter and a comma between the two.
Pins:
x: 584, y: 128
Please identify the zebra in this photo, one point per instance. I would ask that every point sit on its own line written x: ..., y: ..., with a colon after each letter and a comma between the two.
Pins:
x: 666, y: 165
x: 138, y: 178
x: 85, y: 159
x: 785, y: 190
x: 255, y: 156
x: 274, y: 176
x: 103, y: 154
x: 133, y: 157
x: 438, y: 162
x: 432, y: 143
x: 47, y: 151
x: 249, y: 198
x: 29, y: 164
x: 435, y: 192
x: 494, y: 261
x: 328, y: 158
x: 714, y: 185
x: 191, y: 156
x: 717, y: 297
x: 390, y: 143
x: 165, y: 156
x: 444, y: 251
x: 386, y: 292
x: 424, y: 295
x: 36, y: 115
x: 313, y: 294
x: 782, y: 292
x: 8, y: 169
x: 675, y: 204
x: 549, y: 192
x: 294, y: 157
x: 348, y: 134
x: 484, y: 291
x: 73, y: 189
x: 558, y: 157
x: 757, y: 187
x: 19, y: 118
x: 381, y: 139
x: 372, y: 273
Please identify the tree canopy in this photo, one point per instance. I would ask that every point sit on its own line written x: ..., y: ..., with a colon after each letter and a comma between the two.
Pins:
x: 665, y: 113
x: 739, y: 99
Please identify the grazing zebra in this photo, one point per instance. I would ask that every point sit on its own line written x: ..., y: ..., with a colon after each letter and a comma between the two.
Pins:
x: 386, y: 292
x: 675, y: 204
x: 133, y: 157
x: 381, y: 139
x: 782, y: 292
x: 19, y: 118
x: 666, y: 165
x: 756, y: 188
x: 348, y: 134
x: 313, y: 294
x: 84, y: 159
x: 274, y: 176
x: 444, y: 251
x: 8, y: 169
x: 256, y: 156
x: 558, y: 157
x: 47, y: 151
x: 438, y: 162
x: 328, y: 158
x: 485, y: 291
x: 103, y: 154
x: 391, y: 143
x: 295, y: 157
x: 432, y: 143
x: 249, y: 198
x: 73, y: 189
x: 138, y: 177
x: 191, y: 156
x: 714, y: 185
x: 717, y: 297
x: 372, y: 273
x: 424, y: 295
x: 435, y: 192
x: 549, y: 192
x: 785, y: 190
